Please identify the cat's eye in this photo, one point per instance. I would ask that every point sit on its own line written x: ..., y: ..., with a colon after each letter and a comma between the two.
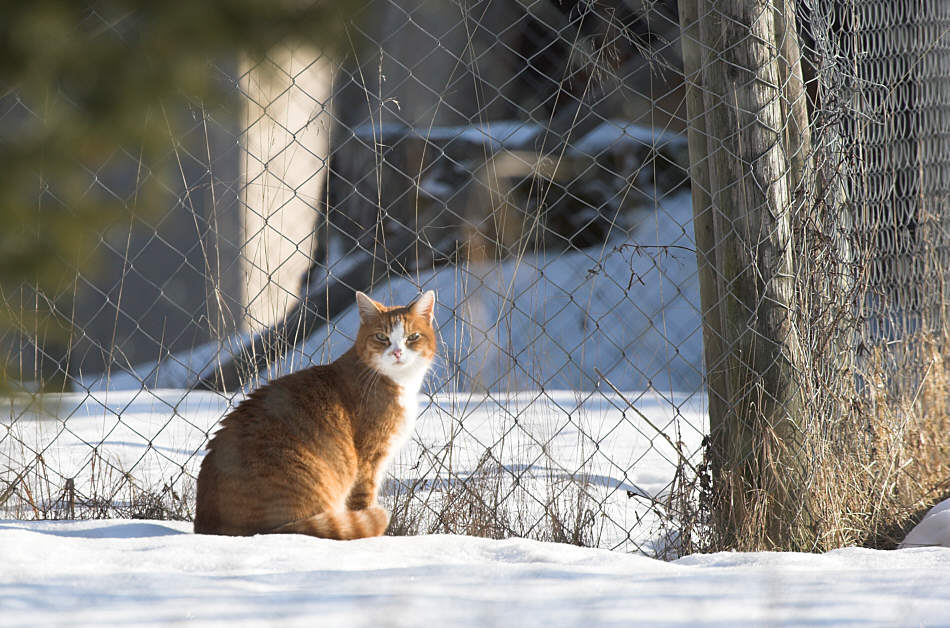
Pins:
x: 414, y: 336
x: 382, y: 338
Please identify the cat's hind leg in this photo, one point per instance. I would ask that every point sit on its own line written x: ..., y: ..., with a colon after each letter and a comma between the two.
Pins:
x: 340, y: 524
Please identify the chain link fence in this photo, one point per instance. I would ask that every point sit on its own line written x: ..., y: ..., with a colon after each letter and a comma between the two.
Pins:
x: 818, y: 181
x: 539, y: 165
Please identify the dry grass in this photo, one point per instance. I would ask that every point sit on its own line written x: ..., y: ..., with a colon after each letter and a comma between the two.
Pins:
x: 31, y: 490
x: 860, y: 446
x: 498, y: 502
x: 873, y: 458
x: 901, y: 446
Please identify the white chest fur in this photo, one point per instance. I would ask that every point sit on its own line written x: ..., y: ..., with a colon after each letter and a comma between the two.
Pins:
x: 406, y: 369
x: 409, y: 401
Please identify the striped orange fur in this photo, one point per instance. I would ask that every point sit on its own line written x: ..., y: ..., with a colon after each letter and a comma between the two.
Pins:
x: 307, y: 452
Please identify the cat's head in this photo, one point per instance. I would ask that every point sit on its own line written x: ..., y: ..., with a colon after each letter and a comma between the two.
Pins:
x: 399, y: 342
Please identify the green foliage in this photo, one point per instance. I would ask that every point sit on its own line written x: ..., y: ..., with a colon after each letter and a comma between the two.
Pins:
x: 90, y: 89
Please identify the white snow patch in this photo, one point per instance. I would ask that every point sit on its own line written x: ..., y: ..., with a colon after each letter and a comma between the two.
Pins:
x: 617, y: 133
x: 933, y: 529
x: 495, y: 134
x: 85, y: 573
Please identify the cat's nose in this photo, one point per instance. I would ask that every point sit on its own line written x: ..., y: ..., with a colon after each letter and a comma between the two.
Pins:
x: 397, y: 353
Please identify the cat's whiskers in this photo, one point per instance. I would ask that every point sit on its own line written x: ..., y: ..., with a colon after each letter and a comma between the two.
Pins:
x: 367, y: 380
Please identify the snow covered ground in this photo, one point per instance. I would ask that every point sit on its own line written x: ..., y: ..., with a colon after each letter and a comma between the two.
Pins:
x: 126, y: 572
x: 157, y: 573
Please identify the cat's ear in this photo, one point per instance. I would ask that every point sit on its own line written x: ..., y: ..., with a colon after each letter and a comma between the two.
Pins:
x: 368, y: 308
x: 424, y: 305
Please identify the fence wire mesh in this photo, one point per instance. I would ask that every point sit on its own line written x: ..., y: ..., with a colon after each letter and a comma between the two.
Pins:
x: 539, y: 165
x: 827, y: 403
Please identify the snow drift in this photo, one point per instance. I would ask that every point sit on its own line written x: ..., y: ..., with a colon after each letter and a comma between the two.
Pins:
x: 139, y: 572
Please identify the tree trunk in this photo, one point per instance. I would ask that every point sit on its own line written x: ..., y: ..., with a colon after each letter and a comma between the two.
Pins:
x: 284, y: 173
x: 749, y: 150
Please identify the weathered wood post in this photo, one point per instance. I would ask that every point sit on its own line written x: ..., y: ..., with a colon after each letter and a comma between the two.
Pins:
x: 749, y: 147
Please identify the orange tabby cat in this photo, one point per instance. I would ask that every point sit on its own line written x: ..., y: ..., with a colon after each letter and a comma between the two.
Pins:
x: 306, y: 453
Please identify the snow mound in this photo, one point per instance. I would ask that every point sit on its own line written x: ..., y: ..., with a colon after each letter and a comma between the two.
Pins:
x: 933, y: 529
x: 548, y: 320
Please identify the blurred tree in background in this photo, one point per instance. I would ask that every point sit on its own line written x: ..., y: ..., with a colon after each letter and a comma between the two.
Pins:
x: 82, y: 83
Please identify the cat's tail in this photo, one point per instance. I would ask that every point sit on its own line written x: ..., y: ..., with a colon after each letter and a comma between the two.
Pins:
x: 340, y: 524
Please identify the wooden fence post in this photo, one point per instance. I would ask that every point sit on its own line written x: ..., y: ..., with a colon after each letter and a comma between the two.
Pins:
x: 749, y: 146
